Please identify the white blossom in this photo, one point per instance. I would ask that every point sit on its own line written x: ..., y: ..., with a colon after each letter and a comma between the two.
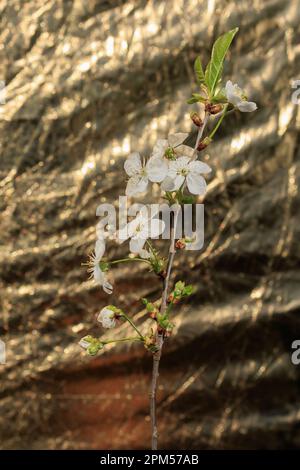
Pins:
x: 164, y: 151
x: 99, y: 276
x: 186, y: 170
x: 107, y: 318
x: 139, y: 230
x: 137, y: 172
x: 172, y: 146
x: 236, y: 97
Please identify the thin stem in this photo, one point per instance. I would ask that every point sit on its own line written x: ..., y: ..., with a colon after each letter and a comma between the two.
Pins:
x: 153, y: 391
x: 218, y: 123
x: 159, y: 336
x: 133, y: 338
x: 124, y: 260
x: 133, y: 325
x: 201, y: 130
x: 172, y: 251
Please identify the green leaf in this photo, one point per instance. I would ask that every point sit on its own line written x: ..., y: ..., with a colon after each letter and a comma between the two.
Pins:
x: 192, y: 100
x: 179, y: 285
x: 188, y: 290
x: 214, y: 68
x: 199, y: 71
x: 196, y: 97
x: 220, y: 96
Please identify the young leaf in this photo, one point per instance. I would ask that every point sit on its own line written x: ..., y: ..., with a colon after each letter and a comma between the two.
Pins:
x: 199, y: 70
x: 192, y: 100
x: 196, y: 97
x: 220, y: 96
x: 214, y: 68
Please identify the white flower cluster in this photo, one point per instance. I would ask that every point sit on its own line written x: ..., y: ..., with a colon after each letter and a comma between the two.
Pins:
x: 172, y: 164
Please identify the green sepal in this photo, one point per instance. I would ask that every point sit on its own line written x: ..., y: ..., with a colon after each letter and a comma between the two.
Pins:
x: 185, y: 198
x: 104, y: 266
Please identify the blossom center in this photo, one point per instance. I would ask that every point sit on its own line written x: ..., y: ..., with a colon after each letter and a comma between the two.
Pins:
x: 170, y: 153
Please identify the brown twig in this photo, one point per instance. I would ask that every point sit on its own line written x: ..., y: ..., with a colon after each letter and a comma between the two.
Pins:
x: 160, y: 336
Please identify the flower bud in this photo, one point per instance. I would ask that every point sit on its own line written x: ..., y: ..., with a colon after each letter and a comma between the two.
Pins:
x: 172, y: 298
x: 108, y: 316
x: 151, y: 309
x: 203, y: 144
x: 150, y: 343
x: 91, y: 345
x: 213, y: 108
x: 93, y: 349
x: 196, y: 119
x: 168, y: 332
x: 180, y: 244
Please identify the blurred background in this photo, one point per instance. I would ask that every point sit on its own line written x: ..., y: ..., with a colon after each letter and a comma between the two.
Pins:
x: 86, y: 84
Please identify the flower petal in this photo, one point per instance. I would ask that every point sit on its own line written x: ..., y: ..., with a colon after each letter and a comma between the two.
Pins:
x: 98, y: 274
x: 196, y: 183
x: 246, y: 106
x: 136, y: 185
x: 136, y: 244
x: 142, y: 184
x: 133, y: 164
x: 167, y: 184
x: 185, y: 150
x: 99, y: 248
x: 144, y: 254
x: 177, y: 139
x: 199, y: 167
x: 84, y: 343
x: 107, y: 287
x: 172, y: 172
x: 107, y: 318
x: 233, y: 93
x: 157, y: 227
x: 160, y: 148
x: 181, y: 163
x: 157, y: 169
x: 178, y: 181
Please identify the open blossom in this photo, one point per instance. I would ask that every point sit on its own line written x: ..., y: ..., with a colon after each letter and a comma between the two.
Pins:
x: 172, y: 147
x: 137, y: 172
x: 92, y: 345
x: 99, y: 276
x: 85, y: 342
x: 107, y: 317
x: 164, y: 151
x: 186, y: 170
x: 139, y: 230
x: 140, y: 173
x: 236, y: 97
